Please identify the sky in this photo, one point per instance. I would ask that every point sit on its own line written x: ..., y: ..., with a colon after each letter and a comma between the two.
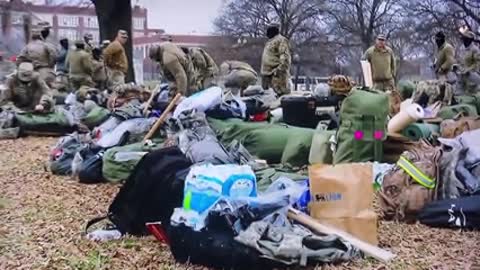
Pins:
x: 182, y: 16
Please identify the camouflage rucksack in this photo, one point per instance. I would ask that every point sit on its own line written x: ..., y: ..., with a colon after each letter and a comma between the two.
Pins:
x: 412, y: 183
x: 363, y: 126
x: 431, y: 91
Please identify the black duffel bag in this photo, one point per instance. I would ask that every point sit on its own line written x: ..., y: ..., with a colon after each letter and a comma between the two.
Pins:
x: 455, y: 213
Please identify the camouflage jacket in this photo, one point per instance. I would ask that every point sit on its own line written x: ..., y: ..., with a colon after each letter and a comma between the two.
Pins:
x: 229, y: 66
x: 276, y: 56
x: 203, y: 63
x: 382, y: 62
x: 25, y: 96
x: 177, y: 68
x: 39, y: 53
x: 79, y: 63
x: 471, y: 59
x: 445, y: 59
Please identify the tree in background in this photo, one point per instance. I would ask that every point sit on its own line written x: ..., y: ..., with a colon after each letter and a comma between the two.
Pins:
x: 112, y: 16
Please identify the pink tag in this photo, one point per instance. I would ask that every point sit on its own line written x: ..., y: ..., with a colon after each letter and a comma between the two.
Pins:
x: 358, y: 135
x: 378, y: 135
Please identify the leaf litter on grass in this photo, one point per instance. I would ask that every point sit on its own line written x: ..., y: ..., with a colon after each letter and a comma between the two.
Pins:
x: 43, y: 218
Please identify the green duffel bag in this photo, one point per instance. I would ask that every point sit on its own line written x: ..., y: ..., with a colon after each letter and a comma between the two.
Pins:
x: 280, y: 144
x: 321, y: 152
x: 406, y: 89
x: 363, y: 126
x: 450, y: 112
x: 119, y: 162
x: 470, y: 100
x: 96, y: 117
x: 54, y: 123
x: 235, y: 129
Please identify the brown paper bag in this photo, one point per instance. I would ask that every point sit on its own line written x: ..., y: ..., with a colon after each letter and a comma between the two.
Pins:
x: 342, y: 196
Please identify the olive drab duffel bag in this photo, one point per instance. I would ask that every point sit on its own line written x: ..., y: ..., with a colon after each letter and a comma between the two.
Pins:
x: 411, y: 183
x: 363, y: 126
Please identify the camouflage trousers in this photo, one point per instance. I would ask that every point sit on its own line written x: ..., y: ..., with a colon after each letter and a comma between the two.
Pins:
x: 279, y: 83
x: 470, y: 83
x: 62, y: 83
x: 384, y: 85
x: 48, y: 75
x: 76, y: 82
x: 115, y: 77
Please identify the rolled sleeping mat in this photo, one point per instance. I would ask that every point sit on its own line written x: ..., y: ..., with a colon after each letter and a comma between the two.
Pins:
x: 418, y: 131
x: 451, y: 112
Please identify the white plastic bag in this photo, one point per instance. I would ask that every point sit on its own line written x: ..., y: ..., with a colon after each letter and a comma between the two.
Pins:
x: 201, y: 101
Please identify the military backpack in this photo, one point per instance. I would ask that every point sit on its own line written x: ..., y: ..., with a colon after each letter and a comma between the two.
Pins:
x: 363, y: 126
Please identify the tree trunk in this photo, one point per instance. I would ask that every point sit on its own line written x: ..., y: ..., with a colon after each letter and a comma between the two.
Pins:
x: 112, y: 16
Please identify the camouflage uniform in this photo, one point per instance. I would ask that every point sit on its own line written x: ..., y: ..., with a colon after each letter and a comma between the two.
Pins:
x: 236, y: 74
x: 24, y: 96
x: 116, y: 62
x: 383, y: 65
x: 61, y: 81
x: 445, y: 60
x: 471, y: 69
x: 80, y: 69
x: 176, y: 68
x: 43, y: 56
x: 431, y: 91
x: 205, y: 67
x: 276, y: 61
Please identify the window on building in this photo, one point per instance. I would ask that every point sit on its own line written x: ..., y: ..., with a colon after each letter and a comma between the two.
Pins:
x: 91, y: 22
x: 68, y: 21
x: 71, y: 34
x: 138, y: 23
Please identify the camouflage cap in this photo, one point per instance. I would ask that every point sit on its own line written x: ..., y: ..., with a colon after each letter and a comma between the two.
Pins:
x: 340, y: 84
x: 381, y: 37
x: 25, y: 72
x: 79, y: 42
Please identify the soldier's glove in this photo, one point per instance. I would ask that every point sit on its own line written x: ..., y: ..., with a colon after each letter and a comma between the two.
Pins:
x: 39, y: 108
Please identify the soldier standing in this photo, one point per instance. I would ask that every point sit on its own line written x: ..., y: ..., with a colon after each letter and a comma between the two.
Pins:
x: 116, y: 59
x: 42, y: 55
x: 470, y: 64
x: 445, y: 57
x: 80, y: 67
x: 382, y: 60
x: 27, y: 91
x: 205, y: 67
x: 276, y: 61
x: 88, y: 38
x: 61, y: 68
x: 176, y: 68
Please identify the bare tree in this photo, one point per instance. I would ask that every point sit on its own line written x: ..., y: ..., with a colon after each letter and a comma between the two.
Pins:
x: 299, y: 19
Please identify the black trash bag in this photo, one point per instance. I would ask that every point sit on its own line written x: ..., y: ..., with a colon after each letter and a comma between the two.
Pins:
x: 91, y: 168
x: 150, y: 194
x: 455, y: 213
x: 62, y: 155
x: 216, y: 249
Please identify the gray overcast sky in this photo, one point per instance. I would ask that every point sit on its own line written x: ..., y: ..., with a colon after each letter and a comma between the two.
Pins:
x: 182, y: 16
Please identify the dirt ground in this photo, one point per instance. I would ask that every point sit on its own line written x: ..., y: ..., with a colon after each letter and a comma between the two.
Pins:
x: 43, y: 217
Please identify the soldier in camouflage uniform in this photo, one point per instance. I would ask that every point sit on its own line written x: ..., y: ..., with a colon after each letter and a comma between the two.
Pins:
x: 26, y: 91
x: 382, y: 60
x: 470, y: 65
x: 276, y: 61
x: 62, y: 83
x: 88, y: 38
x: 80, y: 67
x: 205, y: 67
x: 176, y: 68
x: 116, y: 59
x: 42, y: 55
x: 237, y: 75
x: 431, y: 91
x: 445, y: 57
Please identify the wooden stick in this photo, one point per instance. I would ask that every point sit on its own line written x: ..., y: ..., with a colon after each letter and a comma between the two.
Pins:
x: 150, y: 100
x: 162, y: 117
x: 369, y: 249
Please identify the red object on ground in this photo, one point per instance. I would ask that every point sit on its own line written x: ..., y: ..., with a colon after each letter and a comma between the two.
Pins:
x: 157, y: 230
x: 259, y: 117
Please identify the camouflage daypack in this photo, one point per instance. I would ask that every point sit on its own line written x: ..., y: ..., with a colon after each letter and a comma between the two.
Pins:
x: 412, y: 183
x: 431, y: 91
